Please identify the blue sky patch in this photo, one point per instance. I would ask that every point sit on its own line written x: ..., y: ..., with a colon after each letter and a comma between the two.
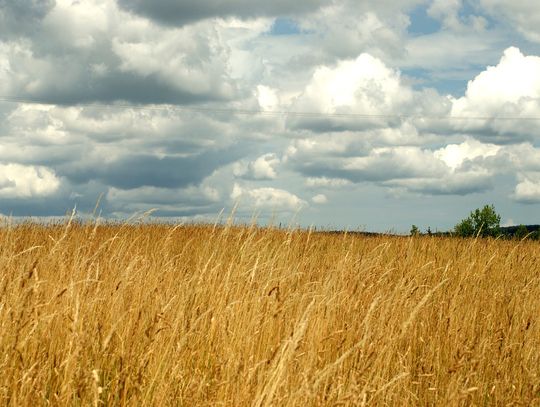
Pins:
x: 424, y: 79
x: 422, y: 23
x: 284, y: 26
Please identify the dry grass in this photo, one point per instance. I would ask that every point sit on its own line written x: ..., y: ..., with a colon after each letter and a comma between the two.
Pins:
x: 155, y: 315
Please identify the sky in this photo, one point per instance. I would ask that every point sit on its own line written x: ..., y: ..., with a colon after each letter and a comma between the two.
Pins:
x: 371, y: 115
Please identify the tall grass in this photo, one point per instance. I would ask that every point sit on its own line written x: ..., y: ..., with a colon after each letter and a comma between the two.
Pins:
x: 198, y: 315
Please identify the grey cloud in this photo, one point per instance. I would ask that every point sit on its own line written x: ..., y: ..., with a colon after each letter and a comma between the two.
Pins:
x: 85, y: 61
x: 117, y: 86
x: 45, y: 206
x: 136, y: 170
x: 49, y: 156
x: 92, y: 150
x: 517, y: 130
x: 523, y: 15
x: 455, y: 184
x: 398, y: 168
x: 382, y: 37
x: 65, y: 83
x: 526, y: 200
x: 6, y: 183
x: 84, y: 194
x: 192, y: 136
x: 520, y: 161
x: 182, y: 163
x: 22, y: 16
x: 168, y: 202
x: 160, y: 196
x: 182, y: 12
x: 24, y: 9
x: 330, y: 123
x: 491, y: 132
x: 57, y: 204
x: 378, y: 172
x: 83, y: 197
x: 376, y: 167
x: 350, y: 27
x: 176, y: 185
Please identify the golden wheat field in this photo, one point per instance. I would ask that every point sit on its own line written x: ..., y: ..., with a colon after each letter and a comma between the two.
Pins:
x: 156, y: 315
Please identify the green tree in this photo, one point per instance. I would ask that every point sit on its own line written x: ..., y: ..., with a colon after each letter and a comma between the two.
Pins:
x: 481, y: 222
x: 521, y: 232
x: 414, y: 230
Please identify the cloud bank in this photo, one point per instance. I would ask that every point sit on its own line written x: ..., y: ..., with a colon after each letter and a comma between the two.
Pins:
x: 153, y: 104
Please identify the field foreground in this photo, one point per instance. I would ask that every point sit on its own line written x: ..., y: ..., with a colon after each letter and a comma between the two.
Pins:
x: 237, y: 316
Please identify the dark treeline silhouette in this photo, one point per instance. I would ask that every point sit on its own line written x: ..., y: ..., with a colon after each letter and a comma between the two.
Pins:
x: 485, y: 222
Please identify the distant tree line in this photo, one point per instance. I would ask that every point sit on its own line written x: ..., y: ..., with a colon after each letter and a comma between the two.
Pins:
x: 485, y: 222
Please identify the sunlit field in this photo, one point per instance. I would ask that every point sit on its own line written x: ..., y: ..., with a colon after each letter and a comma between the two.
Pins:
x: 159, y: 315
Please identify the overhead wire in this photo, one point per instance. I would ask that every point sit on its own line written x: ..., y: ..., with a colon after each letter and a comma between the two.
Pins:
x: 254, y: 112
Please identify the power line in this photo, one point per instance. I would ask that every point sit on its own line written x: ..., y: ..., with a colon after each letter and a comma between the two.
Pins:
x: 255, y: 112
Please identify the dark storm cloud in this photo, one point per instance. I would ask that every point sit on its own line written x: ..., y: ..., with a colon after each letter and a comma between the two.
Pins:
x: 57, y: 204
x: 22, y: 16
x: 167, y: 172
x: 376, y: 172
x: 83, y: 197
x: 137, y: 170
x: 85, y: 52
x: 140, y: 159
x: 63, y: 82
x: 180, y: 12
x: 42, y: 206
x: 169, y: 202
x: 501, y: 133
x: 116, y: 87
x: 63, y: 204
x: 335, y: 124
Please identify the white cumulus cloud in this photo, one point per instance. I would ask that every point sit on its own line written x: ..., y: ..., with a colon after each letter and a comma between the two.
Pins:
x: 320, y: 199
x: 267, y: 198
x: 457, y: 169
x: 455, y: 154
x: 527, y: 191
x: 364, y: 86
x: 263, y: 168
x: 24, y: 181
x: 325, y: 182
x: 511, y: 89
x: 267, y: 97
